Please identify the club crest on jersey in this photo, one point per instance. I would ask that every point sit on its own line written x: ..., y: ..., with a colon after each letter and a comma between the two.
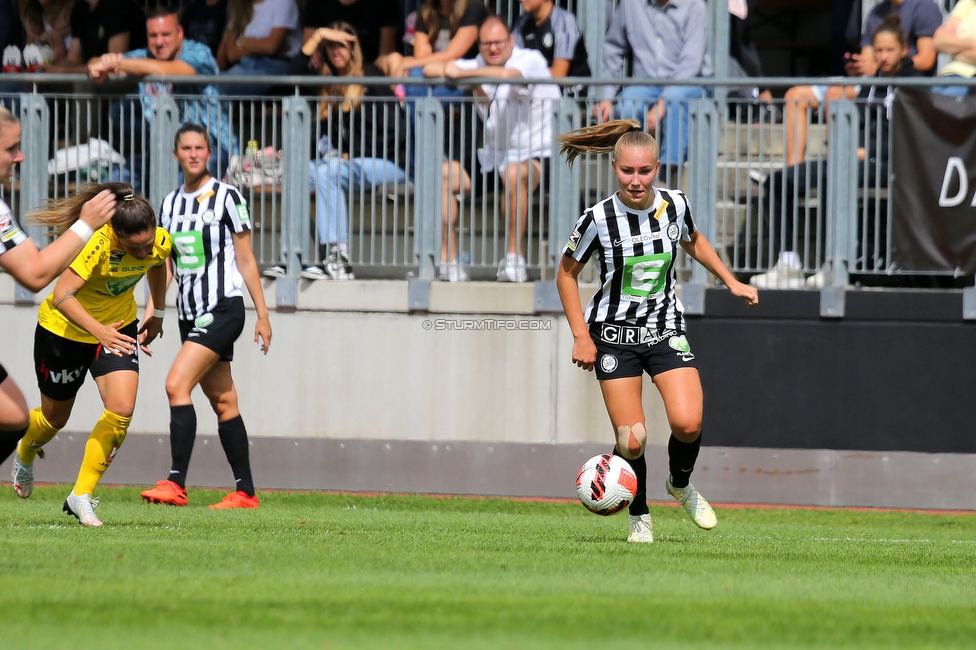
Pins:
x: 608, y: 363
x: 208, y: 216
x: 673, y: 233
x: 574, y: 240
x: 115, y: 258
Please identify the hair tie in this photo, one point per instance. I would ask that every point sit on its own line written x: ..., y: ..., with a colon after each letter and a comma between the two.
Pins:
x: 634, y: 128
x: 128, y: 197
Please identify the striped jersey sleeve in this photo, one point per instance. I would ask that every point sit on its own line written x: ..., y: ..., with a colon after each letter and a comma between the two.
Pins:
x: 10, y: 232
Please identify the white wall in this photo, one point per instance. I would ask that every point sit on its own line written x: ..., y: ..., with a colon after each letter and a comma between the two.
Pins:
x: 353, y: 363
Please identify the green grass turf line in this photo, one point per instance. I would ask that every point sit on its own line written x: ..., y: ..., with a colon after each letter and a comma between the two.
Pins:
x: 311, y: 570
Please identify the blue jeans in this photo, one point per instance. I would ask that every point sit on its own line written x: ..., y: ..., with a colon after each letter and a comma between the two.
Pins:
x: 952, y: 91
x: 634, y: 102
x: 253, y: 66
x: 332, y: 177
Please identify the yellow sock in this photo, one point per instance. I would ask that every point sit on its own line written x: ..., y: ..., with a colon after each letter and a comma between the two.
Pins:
x: 39, y: 433
x: 104, y: 441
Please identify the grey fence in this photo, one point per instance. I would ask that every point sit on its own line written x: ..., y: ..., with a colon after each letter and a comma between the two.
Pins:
x: 837, y: 220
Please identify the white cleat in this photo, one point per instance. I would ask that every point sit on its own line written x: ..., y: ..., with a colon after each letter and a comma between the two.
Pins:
x: 23, y: 476
x: 694, y: 504
x: 83, y: 507
x: 640, y: 529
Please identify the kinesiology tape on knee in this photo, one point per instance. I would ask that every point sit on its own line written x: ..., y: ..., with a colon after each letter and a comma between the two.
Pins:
x: 631, y: 440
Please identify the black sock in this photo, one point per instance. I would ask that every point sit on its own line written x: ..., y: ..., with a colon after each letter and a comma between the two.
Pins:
x: 8, y: 442
x: 681, y: 460
x: 233, y: 438
x: 639, y: 465
x: 182, y: 433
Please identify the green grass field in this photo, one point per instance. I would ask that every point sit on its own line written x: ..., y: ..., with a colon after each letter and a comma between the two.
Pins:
x: 311, y: 570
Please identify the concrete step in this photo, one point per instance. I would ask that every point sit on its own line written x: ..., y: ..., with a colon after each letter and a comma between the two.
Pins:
x: 766, y: 141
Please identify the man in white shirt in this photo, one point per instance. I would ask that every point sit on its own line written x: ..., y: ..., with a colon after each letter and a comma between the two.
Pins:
x: 518, y: 125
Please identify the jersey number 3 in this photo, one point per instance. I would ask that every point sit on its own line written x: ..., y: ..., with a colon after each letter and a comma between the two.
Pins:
x: 645, y: 275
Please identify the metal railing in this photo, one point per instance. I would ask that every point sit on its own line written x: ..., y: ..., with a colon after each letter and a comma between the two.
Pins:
x: 396, y: 226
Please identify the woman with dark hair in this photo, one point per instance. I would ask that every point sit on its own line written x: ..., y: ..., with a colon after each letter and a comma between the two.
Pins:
x: 362, y: 143
x: 634, y: 322
x: 88, y: 325
x: 213, y: 260
x: 33, y: 268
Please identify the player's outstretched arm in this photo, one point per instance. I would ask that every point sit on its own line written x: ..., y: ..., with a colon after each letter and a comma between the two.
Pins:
x: 252, y: 280
x: 35, y: 269
x: 567, y: 283
x: 702, y: 252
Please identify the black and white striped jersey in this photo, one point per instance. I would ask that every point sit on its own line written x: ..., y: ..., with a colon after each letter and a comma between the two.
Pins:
x: 203, y: 225
x: 10, y: 231
x: 637, y: 250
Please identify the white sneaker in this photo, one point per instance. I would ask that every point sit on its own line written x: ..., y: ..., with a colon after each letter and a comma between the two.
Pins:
x: 757, y: 175
x: 276, y: 271
x: 313, y: 272
x: 817, y: 280
x: 452, y: 272
x: 82, y: 506
x: 640, y: 529
x: 337, y: 266
x: 694, y: 504
x: 512, y: 269
x: 23, y: 476
x: 779, y: 277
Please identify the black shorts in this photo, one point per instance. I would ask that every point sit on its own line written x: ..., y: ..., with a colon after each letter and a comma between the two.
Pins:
x: 218, y: 329
x: 660, y: 351
x: 3, y: 373
x: 61, y: 364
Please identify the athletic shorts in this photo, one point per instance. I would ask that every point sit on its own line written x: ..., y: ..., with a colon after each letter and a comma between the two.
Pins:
x: 61, y: 364
x: 646, y: 350
x: 3, y: 374
x: 218, y: 329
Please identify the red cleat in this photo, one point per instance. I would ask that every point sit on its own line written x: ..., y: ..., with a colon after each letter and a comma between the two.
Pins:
x: 166, y: 492
x: 235, y: 500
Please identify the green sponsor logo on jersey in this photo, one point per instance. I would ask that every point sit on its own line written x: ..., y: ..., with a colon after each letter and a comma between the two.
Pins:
x: 645, y: 275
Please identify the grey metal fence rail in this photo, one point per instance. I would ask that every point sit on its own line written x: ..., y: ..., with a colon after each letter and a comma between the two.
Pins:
x: 837, y: 221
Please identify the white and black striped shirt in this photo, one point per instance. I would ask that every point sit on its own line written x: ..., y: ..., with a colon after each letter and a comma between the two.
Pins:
x: 10, y: 232
x: 203, y: 225
x: 637, y: 250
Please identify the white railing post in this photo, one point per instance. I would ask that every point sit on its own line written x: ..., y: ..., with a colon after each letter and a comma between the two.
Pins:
x: 35, y: 128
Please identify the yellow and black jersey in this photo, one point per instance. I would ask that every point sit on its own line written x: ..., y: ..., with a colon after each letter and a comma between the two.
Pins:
x: 110, y: 276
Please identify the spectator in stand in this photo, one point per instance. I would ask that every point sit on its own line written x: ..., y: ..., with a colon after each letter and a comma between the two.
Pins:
x: 204, y: 21
x: 377, y: 23
x: 446, y: 30
x: 8, y: 24
x: 957, y: 38
x: 363, y: 144
x: 665, y: 40
x: 47, y: 23
x: 102, y: 26
x: 169, y: 53
x: 891, y: 52
x: 518, y: 128
x: 262, y: 37
x: 920, y: 19
x: 553, y: 31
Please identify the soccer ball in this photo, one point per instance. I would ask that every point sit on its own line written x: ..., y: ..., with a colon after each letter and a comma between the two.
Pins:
x: 606, y: 484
